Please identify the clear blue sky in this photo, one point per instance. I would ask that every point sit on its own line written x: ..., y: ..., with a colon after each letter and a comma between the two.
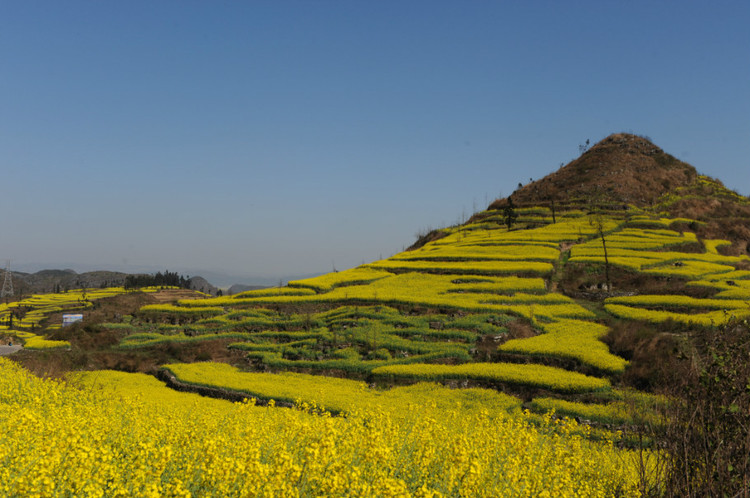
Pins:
x: 280, y: 138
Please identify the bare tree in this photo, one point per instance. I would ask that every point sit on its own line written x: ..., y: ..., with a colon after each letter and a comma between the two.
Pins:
x: 509, y: 213
x: 598, y: 219
x: 550, y: 192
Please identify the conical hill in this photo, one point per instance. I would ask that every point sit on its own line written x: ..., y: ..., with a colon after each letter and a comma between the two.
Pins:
x: 628, y: 171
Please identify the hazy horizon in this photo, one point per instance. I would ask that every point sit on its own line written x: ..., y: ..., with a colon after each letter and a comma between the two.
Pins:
x: 217, y: 278
x: 277, y: 139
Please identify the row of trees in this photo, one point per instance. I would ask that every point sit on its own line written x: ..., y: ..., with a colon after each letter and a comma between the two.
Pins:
x: 158, y: 279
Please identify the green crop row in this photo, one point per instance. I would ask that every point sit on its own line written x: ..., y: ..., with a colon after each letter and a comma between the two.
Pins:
x: 350, y: 364
x: 271, y: 346
x: 147, y: 339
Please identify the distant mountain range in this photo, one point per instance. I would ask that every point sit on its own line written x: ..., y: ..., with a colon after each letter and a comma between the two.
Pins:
x: 60, y: 280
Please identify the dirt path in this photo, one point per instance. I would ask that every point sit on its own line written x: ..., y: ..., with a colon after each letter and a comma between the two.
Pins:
x: 6, y: 350
x: 555, y: 277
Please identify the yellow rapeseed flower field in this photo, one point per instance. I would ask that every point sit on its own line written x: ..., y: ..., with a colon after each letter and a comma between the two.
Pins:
x: 110, y: 438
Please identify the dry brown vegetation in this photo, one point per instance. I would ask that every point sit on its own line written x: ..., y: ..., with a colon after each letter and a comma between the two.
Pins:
x: 584, y: 281
x: 630, y: 168
x: 706, y: 429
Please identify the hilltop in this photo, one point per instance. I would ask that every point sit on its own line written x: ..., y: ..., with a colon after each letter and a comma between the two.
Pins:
x: 625, y: 170
x: 628, y: 168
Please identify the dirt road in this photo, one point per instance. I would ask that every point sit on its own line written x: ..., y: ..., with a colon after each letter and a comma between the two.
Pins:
x: 6, y: 350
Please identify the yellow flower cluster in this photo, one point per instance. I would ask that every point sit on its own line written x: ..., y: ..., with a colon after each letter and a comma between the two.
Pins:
x: 738, y: 289
x: 576, y: 339
x: 713, y: 245
x: 340, y: 395
x: 111, y: 442
x: 33, y: 341
x: 677, y: 301
x: 643, y: 220
x: 634, y: 238
x: 513, y: 252
x: 571, y: 227
x: 637, y: 250
x: 497, y: 267
x: 710, y: 319
x: 500, y: 285
x: 652, y: 257
x: 554, y: 379
x: 354, y: 276
x: 611, y: 413
x: 439, y: 291
x: 273, y: 291
x: 687, y: 269
x: 724, y: 281
x: 193, y: 310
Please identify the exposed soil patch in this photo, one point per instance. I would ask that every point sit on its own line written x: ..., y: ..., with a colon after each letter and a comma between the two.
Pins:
x: 651, y: 349
x: 109, y: 309
x: 171, y: 295
x: 585, y: 281
x: 94, y: 348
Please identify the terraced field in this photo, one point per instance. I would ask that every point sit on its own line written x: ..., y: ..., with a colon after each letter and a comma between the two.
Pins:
x: 21, y: 319
x: 449, y: 311
x: 467, y: 329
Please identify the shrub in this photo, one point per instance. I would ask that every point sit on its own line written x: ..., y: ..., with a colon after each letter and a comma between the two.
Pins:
x: 708, y: 448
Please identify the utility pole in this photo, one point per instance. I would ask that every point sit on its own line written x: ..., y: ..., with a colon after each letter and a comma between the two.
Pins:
x: 7, y: 282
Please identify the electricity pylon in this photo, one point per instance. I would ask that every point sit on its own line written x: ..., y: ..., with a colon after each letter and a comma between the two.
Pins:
x: 7, y: 282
